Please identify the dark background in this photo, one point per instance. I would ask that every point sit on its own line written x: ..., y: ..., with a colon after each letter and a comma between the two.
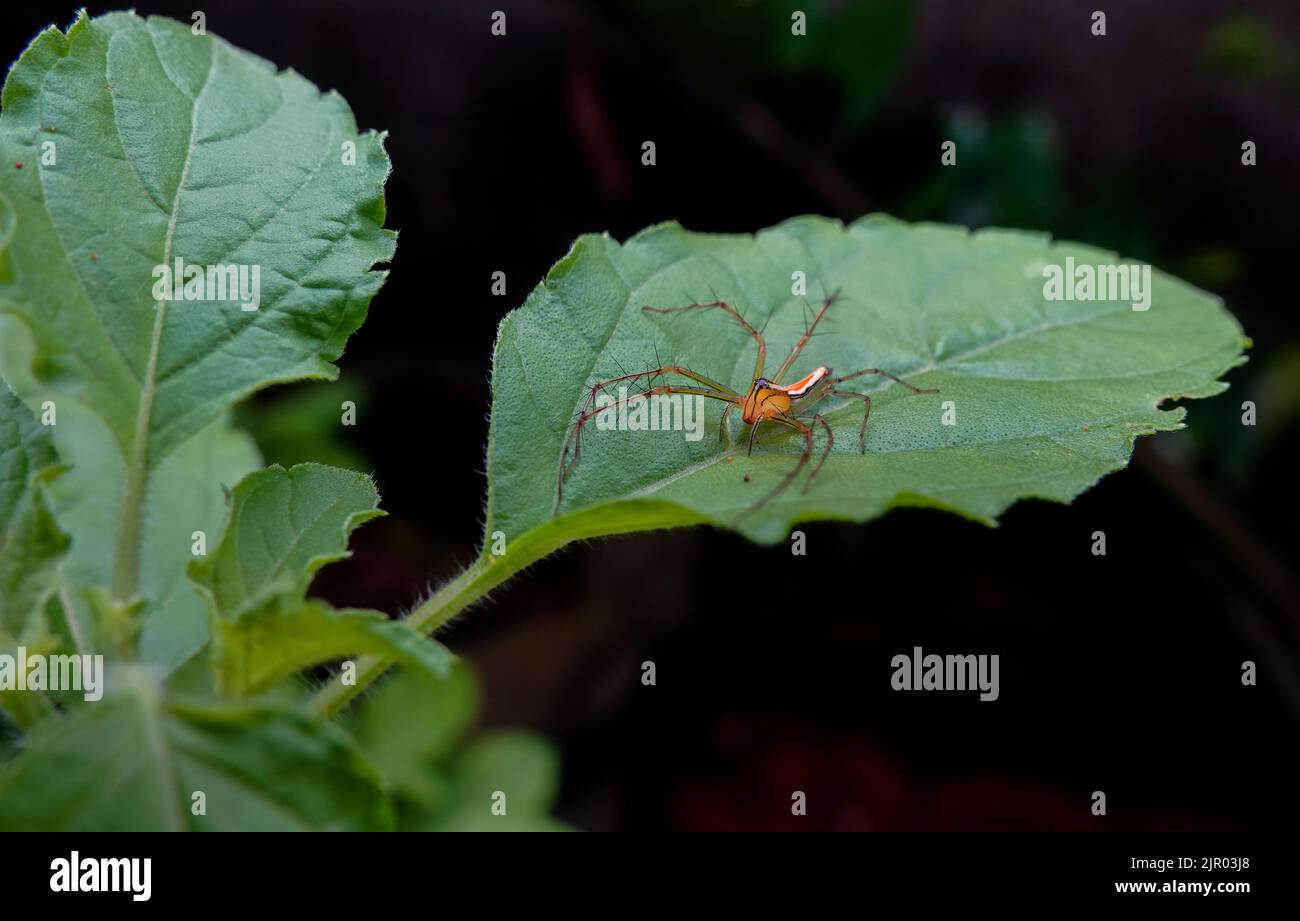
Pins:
x: 1118, y: 673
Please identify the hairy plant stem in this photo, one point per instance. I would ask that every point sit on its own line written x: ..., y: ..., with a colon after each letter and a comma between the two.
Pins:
x: 488, y: 571
x: 126, y: 562
x: 482, y: 576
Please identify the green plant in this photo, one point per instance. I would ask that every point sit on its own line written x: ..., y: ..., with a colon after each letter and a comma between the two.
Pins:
x: 415, y: 731
x: 128, y: 145
x: 135, y: 521
x: 1046, y: 397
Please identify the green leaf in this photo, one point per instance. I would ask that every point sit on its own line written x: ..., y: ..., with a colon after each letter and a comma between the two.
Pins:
x: 283, y: 526
x: 31, y: 543
x: 411, y: 725
x: 276, y: 641
x: 1045, y: 396
x: 11, y: 738
x: 142, y: 143
x: 28, y: 708
x: 133, y: 762
x: 1048, y: 395
x: 413, y: 730
x: 522, y: 766
x: 299, y: 424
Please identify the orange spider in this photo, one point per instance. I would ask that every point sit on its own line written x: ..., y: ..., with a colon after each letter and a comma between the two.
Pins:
x: 768, y: 400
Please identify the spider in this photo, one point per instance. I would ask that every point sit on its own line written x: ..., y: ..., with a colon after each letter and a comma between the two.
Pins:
x: 767, y: 400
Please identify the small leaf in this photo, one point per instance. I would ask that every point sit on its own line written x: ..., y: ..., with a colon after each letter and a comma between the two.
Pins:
x: 1046, y: 396
x: 410, y: 725
x: 133, y: 762
x: 281, y: 639
x: 25, y: 450
x: 27, y: 707
x: 523, y: 765
x: 166, y: 145
x: 282, y: 527
x: 11, y: 737
x: 518, y: 769
x: 31, y: 543
x: 413, y: 730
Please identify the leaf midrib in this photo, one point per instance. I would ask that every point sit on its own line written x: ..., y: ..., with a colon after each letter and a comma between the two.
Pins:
x: 126, y: 564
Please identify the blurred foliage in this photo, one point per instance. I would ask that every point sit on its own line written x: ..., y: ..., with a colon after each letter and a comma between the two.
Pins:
x: 302, y: 424
x: 417, y: 733
x: 1007, y: 172
x: 827, y: 82
x: 1213, y: 267
x: 1245, y: 48
x: 1113, y: 211
x: 1235, y: 452
x: 1010, y: 172
x: 10, y: 738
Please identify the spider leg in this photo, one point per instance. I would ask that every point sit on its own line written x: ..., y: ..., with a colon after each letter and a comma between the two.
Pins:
x: 892, y: 377
x: 826, y: 452
x: 866, y: 414
x: 711, y: 384
x: 724, y: 433
x: 760, y: 361
x: 790, y: 476
x: 807, y: 334
x: 862, y: 432
x: 819, y: 419
x: 572, y: 449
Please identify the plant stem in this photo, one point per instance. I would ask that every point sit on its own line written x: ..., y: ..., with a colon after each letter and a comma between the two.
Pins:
x: 126, y: 561
x: 482, y: 576
x: 488, y: 571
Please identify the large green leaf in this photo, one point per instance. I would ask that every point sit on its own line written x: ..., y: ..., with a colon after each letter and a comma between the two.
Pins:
x: 1047, y: 395
x: 134, y: 761
x: 282, y: 527
x: 1044, y: 397
x: 141, y: 143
